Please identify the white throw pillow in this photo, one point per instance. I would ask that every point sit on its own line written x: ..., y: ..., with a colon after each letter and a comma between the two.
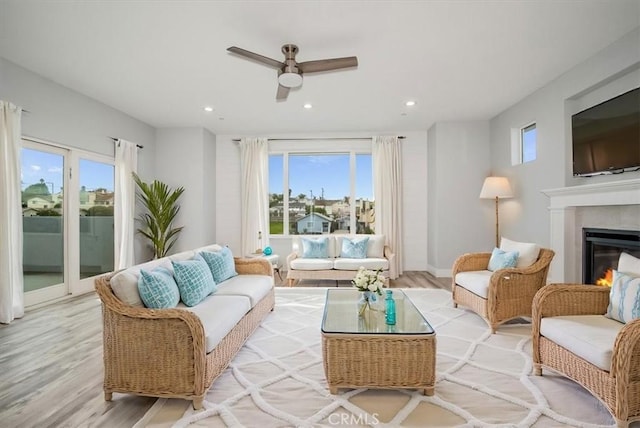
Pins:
x: 527, y: 252
x: 629, y: 264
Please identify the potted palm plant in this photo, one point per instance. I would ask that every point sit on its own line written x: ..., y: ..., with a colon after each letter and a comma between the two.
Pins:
x: 161, y: 205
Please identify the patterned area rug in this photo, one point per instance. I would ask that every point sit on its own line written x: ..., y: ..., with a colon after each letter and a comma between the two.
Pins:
x: 277, y: 379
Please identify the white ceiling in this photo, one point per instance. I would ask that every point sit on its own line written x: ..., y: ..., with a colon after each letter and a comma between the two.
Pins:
x: 162, y: 62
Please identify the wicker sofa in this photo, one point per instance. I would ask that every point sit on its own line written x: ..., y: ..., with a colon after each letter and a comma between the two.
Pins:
x: 178, y: 352
x: 334, y: 267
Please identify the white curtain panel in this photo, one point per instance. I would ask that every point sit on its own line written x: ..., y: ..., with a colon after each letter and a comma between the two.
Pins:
x: 254, y: 160
x: 11, y: 281
x: 387, y: 191
x: 125, y: 202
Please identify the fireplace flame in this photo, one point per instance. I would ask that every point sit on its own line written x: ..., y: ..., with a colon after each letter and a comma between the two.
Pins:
x: 607, y: 279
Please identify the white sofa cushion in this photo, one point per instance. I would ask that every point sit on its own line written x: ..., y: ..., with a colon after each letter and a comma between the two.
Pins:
x: 527, y: 252
x: 590, y: 337
x: 355, y: 264
x: 476, y: 281
x: 311, y: 264
x: 219, y: 314
x: 255, y: 287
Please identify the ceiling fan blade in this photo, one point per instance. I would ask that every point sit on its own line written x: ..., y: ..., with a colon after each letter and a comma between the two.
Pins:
x: 328, y: 64
x: 256, y: 57
x: 282, y: 93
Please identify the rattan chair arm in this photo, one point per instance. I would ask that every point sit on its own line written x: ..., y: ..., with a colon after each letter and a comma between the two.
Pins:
x: 625, y: 359
x: 570, y: 299
x: 470, y: 262
x: 291, y: 257
x: 253, y: 266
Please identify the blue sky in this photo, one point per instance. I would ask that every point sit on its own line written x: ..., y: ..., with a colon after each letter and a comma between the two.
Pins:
x: 313, y: 173
x: 38, y: 165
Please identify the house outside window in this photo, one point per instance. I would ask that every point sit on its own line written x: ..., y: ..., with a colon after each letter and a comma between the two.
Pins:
x: 327, y: 193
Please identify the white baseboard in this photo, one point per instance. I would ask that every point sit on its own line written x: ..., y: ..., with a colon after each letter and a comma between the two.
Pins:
x: 439, y: 273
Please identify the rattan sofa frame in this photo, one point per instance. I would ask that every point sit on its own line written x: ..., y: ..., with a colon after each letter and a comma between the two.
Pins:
x: 619, y: 388
x: 510, y: 290
x: 162, y: 352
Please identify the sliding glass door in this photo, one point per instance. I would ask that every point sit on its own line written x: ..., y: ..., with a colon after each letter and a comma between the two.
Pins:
x: 44, y: 222
x: 62, y: 253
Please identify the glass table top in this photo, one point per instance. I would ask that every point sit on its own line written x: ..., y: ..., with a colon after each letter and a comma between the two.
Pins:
x: 341, y: 315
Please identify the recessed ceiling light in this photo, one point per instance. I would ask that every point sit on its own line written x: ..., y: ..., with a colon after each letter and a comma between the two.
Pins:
x: 410, y: 103
x: 208, y: 109
x: 307, y: 105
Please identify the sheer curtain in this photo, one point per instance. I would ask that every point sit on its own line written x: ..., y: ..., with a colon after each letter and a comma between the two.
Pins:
x: 124, y: 219
x: 11, y: 285
x: 387, y: 191
x: 254, y: 161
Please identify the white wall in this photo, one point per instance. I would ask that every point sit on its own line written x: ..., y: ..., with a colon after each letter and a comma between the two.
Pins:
x: 608, y: 73
x: 186, y: 157
x: 59, y: 115
x: 414, y: 158
x: 459, y: 222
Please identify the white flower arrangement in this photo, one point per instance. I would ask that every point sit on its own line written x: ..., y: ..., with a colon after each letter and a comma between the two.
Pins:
x: 369, y: 280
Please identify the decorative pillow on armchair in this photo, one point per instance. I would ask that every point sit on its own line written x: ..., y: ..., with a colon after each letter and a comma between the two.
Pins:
x: 527, y: 252
x: 502, y: 259
x: 624, y: 299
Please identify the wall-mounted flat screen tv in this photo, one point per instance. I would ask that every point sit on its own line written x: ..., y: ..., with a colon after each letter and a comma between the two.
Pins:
x: 606, y: 137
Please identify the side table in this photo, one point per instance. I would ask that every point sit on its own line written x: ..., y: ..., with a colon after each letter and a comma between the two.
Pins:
x: 274, y: 259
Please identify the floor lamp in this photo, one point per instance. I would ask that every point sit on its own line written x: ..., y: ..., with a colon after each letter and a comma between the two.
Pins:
x: 496, y: 188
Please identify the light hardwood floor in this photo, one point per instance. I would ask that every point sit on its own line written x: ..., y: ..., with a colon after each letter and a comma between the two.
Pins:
x: 51, y: 364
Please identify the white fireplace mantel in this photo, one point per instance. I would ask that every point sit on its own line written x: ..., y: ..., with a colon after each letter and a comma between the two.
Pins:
x: 562, y: 204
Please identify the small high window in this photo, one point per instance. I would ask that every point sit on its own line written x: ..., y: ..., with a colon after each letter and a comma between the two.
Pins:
x: 528, y: 143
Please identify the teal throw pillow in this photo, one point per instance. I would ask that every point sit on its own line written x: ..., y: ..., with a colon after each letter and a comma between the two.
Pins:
x: 221, y: 264
x: 501, y: 259
x: 624, y: 298
x: 158, y: 289
x: 194, y: 280
x: 354, y: 249
x: 315, y: 248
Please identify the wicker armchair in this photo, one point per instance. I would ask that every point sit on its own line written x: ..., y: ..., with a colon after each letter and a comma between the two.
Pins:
x: 618, y: 388
x: 510, y: 291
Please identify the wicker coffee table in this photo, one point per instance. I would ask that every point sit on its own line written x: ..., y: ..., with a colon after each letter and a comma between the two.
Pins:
x: 365, y: 352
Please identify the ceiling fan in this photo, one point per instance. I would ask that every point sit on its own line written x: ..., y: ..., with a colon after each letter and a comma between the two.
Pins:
x: 289, y: 71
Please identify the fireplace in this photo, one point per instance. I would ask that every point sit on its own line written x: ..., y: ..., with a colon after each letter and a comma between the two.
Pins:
x: 601, y: 250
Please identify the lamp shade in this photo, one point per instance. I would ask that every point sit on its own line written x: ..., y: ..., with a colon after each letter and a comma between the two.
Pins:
x: 496, y: 187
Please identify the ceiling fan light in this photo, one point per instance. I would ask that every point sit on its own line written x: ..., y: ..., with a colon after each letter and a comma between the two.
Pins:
x: 290, y: 80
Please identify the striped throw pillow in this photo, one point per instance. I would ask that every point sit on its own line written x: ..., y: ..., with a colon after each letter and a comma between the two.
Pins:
x: 624, y: 300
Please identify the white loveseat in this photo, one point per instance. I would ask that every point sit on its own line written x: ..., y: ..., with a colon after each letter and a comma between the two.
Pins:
x: 335, y: 267
x: 178, y: 352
